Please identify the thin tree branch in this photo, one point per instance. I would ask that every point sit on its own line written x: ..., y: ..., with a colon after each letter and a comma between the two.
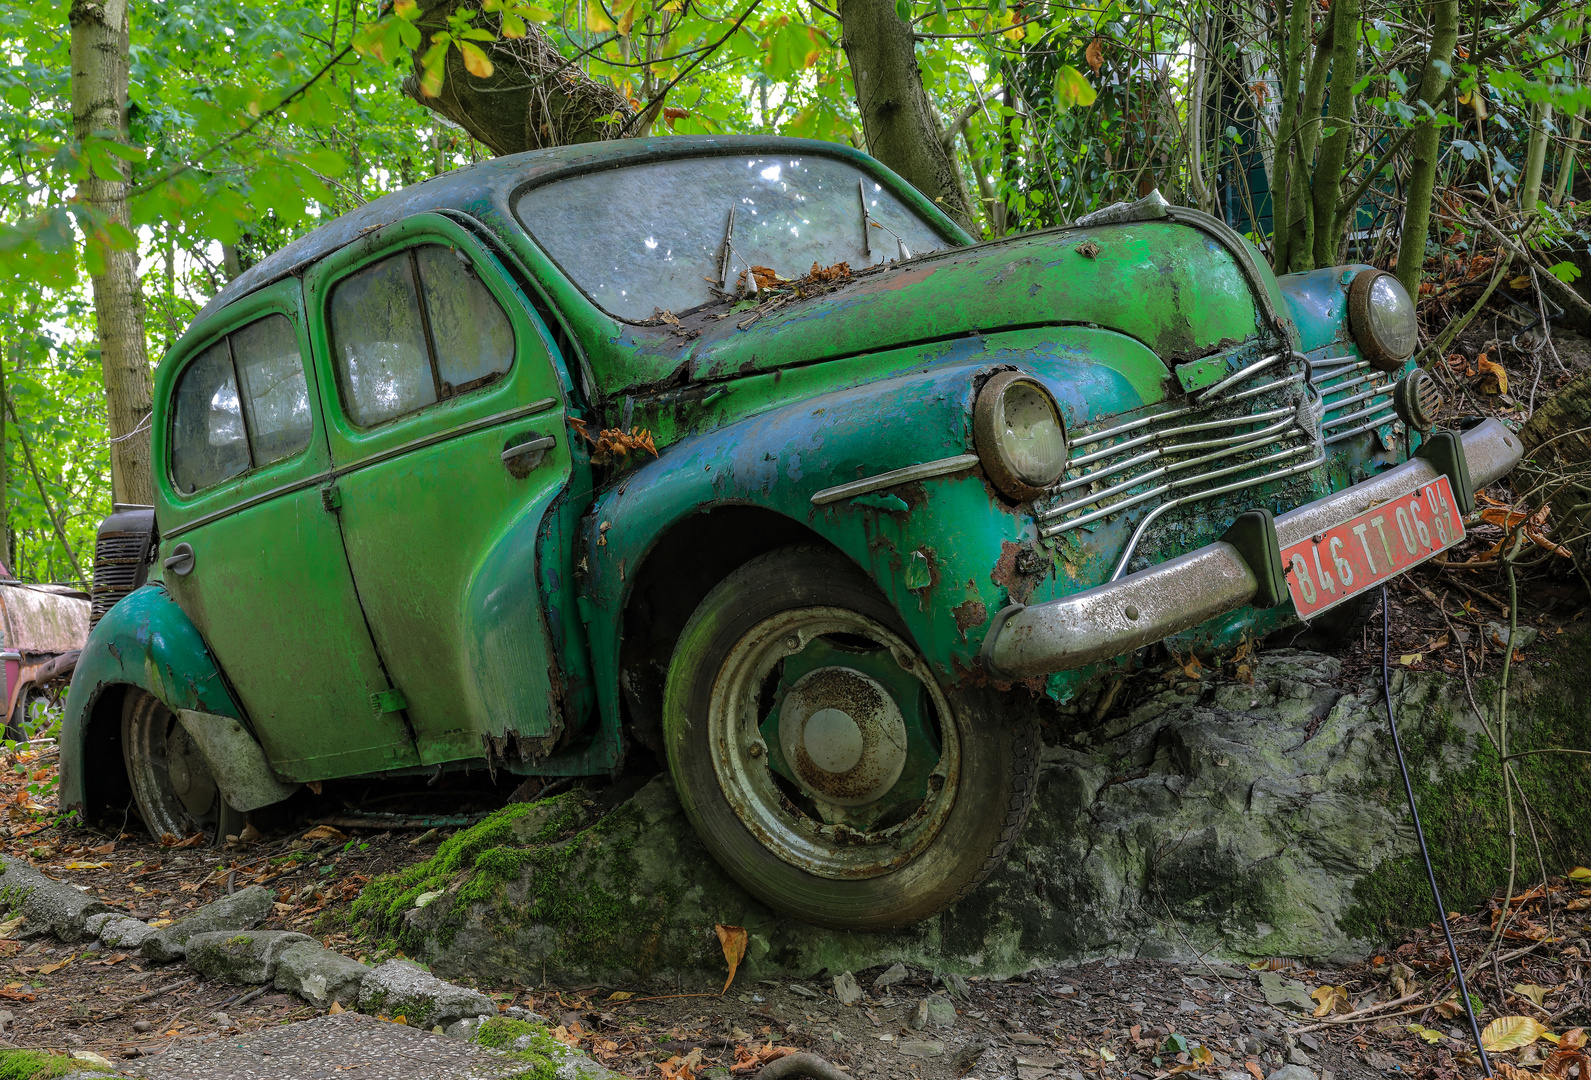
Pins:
x: 49, y: 510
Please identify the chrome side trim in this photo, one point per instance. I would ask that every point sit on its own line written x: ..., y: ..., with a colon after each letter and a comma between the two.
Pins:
x: 890, y: 479
x: 1370, y: 425
x: 1138, y: 609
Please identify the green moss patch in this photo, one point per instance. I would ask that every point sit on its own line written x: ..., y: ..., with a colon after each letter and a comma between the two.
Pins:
x: 526, y: 1044
x: 1462, y: 810
x: 36, y: 1065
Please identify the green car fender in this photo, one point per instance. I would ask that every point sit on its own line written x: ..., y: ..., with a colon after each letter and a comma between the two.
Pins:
x: 936, y: 547
x: 146, y: 642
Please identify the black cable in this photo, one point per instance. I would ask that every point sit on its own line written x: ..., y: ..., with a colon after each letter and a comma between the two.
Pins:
x: 1419, y: 834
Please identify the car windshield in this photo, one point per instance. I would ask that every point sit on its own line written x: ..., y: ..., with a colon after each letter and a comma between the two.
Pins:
x: 651, y: 237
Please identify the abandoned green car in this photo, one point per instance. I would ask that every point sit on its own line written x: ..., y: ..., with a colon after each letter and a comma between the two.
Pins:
x: 526, y: 468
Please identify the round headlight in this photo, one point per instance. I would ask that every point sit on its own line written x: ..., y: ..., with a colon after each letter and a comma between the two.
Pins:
x: 1017, y: 430
x: 1381, y: 316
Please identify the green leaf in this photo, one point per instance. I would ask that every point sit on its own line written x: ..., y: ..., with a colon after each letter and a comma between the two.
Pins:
x: 1072, y: 88
x: 1565, y: 272
x: 903, y: 10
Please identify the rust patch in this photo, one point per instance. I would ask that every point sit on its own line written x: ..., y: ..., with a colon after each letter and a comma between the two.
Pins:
x: 969, y: 614
x: 1019, y: 569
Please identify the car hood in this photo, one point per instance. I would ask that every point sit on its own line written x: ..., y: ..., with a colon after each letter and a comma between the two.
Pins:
x: 1184, y: 290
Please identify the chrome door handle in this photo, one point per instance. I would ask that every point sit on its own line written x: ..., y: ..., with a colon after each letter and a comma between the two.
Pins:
x: 539, y: 445
x: 181, y: 560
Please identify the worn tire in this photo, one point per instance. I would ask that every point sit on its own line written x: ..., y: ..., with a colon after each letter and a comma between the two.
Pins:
x: 998, y: 762
x: 151, y: 739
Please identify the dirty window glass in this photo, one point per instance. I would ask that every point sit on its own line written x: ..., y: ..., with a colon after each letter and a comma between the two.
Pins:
x: 274, y: 389
x: 379, y: 344
x: 208, y: 443
x: 648, y: 237
x: 473, y: 338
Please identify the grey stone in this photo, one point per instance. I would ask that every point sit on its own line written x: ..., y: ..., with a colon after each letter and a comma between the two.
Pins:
x: 1298, y: 1057
x: 401, y: 988
x: 1524, y: 636
x: 464, y: 1030
x: 896, y: 973
x: 47, y: 903
x: 936, y: 1010
x: 804, y: 991
x: 955, y: 986
x: 123, y: 932
x: 922, y: 1049
x: 92, y: 924
x: 242, y: 958
x: 243, y: 910
x: 1187, y: 1006
x: 847, y: 989
x: 1292, y: 1072
x: 320, y: 976
x: 1285, y: 993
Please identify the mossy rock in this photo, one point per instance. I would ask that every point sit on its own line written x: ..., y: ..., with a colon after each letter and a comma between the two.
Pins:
x: 38, y: 1065
x: 1226, y: 819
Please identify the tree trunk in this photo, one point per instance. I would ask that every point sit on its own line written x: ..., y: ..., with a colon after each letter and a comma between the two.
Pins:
x: 1306, y: 138
x: 1286, y: 173
x: 898, y: 120
x: 1339, y: 117
x: 99, y: 108
x: 1422, y: 174
x: 1535, y: 158
x: 533, y: 98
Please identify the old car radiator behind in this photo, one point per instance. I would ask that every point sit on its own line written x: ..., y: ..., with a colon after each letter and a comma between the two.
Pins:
x: 1257, y: 426
x: 122, y: 551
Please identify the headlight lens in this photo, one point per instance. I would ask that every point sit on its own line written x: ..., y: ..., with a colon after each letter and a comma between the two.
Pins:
x: 1381, y: 316
x: 1019, y: 435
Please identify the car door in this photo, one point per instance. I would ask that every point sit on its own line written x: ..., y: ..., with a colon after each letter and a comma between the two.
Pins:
x: 241, y: 442
x: 447, y: 434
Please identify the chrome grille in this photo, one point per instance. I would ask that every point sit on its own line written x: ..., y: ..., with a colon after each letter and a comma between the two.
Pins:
x: 1269, y: 420
x: 1358, y: 398
x: 117, y: 570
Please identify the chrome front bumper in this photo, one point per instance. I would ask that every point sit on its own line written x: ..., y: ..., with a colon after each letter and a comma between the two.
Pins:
x: 1145, y: 607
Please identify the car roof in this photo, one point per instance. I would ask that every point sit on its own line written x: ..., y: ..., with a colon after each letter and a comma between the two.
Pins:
x: 492, y: 182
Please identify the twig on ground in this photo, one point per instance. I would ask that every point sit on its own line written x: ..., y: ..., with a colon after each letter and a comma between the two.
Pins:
x: 153, y: 994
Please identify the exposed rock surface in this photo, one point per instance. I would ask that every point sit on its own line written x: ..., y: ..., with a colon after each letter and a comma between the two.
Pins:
x: 243, y: 910
x: 47, y: 903
x: 320, y: 976
x: 247, y: 959
x: 1214, y: 817
x: 399, y: 988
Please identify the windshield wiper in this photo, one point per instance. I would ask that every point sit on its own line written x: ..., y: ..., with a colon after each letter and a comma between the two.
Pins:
x: 869, y: 222
x: 724, y: 251
x: 867, y: 239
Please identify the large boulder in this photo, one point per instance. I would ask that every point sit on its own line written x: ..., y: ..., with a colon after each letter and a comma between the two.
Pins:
x: 1239, y: 819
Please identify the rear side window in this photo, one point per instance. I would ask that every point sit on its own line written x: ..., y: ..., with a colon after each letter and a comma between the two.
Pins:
x: 218, y: 432
x: 414, y: 329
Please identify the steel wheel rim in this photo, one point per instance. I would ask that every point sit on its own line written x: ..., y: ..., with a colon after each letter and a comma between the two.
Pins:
x: 154, y: 741
x: 756, y: 794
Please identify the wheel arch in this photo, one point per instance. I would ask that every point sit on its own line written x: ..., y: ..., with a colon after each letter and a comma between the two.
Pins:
x: 146, y: 642
x: 683, y: 564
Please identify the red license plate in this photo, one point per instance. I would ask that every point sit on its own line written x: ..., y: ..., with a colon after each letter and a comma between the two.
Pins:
x: 1345, y: 560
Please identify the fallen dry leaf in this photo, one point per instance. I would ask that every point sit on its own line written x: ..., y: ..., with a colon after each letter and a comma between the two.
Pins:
x: 335, y: 1009
x: 324, y: 832
x: 1510, y: 1033
x: 1333, y: 999
x: 1493, y: 379
x: 1537, y: 994
x: 733, y: 939
x: 1095, y: 54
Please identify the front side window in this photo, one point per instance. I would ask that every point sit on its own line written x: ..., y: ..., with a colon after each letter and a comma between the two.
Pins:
x: 413, y: 329
x: 677, y: 234
x: 218, y: 432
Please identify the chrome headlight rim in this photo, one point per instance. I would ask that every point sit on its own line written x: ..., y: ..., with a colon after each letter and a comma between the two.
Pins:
x: 988, y: 416
x: 1362, y: 325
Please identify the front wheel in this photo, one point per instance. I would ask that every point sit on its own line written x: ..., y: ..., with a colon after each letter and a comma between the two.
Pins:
x: 821, y: 762
x: 171, y: 780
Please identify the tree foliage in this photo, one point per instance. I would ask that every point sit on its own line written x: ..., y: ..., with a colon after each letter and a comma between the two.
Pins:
x: 251, y: 123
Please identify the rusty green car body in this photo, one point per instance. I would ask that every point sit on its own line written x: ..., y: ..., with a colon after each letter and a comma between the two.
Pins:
x: 423, y: 592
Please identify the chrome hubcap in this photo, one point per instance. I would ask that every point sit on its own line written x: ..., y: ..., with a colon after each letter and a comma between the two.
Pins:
x: 832, y: 743
x: 843, y: 735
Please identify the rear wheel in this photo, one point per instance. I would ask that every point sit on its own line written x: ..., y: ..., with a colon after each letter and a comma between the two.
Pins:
x: 171, y: 780
x: 821, y: 762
